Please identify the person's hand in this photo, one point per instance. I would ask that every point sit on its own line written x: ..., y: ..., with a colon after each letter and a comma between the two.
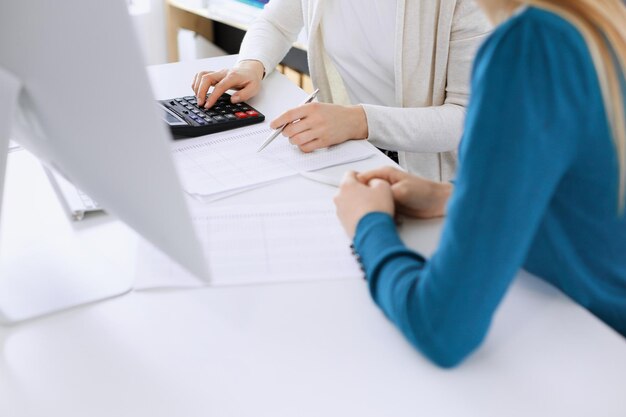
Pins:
x: 246, y: 77
x: 414, y: 196
x: 320, y: 125
x: 355, y: 199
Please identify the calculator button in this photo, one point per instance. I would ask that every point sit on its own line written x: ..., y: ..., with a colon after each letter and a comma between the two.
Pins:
x: 223, y: 114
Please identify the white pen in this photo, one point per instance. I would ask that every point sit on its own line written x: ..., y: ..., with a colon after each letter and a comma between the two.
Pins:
x: 280, y: 129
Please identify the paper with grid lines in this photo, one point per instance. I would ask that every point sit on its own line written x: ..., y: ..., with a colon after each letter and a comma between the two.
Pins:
x: 226, y: 162
x: 259, y: 244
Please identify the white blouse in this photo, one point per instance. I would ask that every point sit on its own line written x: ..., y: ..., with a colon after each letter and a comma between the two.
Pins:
x: 359, y: 38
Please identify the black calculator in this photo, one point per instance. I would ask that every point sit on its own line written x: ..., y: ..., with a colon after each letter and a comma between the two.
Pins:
x: 186, y: 119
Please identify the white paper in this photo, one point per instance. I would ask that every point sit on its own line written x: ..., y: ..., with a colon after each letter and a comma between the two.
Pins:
x: 229, y: 161
x: 14, y: 146
x: 260, y: 244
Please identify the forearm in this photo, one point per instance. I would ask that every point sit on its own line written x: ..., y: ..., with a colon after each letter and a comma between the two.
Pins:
x: 265, y: 45
x: 271, y: 36
x: 437, y: 128
x: 427, y: 129
x: 394, y: 275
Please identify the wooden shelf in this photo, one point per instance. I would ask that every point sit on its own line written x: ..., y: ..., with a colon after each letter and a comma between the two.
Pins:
x: 225, y: 32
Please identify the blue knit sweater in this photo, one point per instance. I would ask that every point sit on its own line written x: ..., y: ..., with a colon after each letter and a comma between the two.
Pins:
x: 537, y: 188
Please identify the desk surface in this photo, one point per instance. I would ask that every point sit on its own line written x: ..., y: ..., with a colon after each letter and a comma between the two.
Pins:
x: 305, y: 349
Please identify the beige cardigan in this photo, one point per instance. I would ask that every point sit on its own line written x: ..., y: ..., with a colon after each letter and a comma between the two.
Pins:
x: 436, y: 41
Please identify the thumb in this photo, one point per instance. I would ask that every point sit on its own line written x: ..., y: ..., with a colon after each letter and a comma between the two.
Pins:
x: 378, y: 183
x: 349, y: 177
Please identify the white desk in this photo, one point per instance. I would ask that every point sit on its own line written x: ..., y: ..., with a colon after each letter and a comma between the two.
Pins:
x: 306, y: 349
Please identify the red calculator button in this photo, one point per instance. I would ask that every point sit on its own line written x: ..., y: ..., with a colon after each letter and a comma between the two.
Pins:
x: 241, y: 115
x: 252, y: 113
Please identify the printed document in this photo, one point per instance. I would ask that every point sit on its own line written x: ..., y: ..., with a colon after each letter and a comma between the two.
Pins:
x: 227, y: 162
x: 259, y: 244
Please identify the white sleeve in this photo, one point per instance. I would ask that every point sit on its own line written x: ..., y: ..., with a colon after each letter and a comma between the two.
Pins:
x: 437, y: 128
x: 271, y: 36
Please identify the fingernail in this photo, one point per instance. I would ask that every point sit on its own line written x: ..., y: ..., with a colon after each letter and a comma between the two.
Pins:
x: 235, y: 99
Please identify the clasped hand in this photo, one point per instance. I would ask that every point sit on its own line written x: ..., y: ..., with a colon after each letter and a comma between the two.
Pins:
x: 388, y: 190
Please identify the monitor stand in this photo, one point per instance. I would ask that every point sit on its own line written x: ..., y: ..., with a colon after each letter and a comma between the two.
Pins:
x: 47, y: 263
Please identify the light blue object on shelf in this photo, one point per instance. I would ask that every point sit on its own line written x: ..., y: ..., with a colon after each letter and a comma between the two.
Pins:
x: 256, y: 3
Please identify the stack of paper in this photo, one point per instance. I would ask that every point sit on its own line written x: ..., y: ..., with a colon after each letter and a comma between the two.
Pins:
x: 228, y: 162
x: 252, y: 244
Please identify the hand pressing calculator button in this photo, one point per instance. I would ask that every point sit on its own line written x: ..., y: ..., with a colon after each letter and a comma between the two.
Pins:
x: 186, y: 119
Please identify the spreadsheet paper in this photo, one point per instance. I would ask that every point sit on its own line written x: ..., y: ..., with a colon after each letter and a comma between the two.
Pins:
x: 260, y: 244
x: 223, y: 163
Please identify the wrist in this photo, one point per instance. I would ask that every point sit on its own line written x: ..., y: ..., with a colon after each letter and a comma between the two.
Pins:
x: 440, y: 193
x: 359, y: 122
x: 253, y: 65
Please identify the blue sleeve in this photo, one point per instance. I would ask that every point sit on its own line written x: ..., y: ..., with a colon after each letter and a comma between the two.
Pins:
x: 518, y: 144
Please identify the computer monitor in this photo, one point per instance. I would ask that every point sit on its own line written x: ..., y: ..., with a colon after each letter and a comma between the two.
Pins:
x: 85, y: 108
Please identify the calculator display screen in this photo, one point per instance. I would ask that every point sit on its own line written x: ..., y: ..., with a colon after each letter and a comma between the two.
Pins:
x: 172, y: 119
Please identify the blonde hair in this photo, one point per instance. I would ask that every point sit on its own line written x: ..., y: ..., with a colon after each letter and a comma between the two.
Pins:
x: 602, y: 24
